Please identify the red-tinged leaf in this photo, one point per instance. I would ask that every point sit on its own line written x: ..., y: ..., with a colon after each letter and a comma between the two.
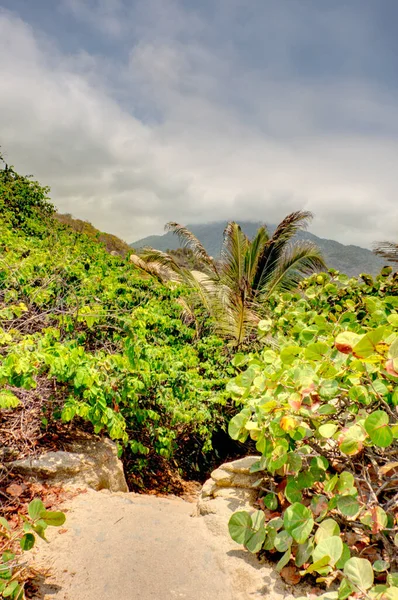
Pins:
x: 308, y: 390
x: 295, y: 404
x: 343, y: 348
x: 390, y: 368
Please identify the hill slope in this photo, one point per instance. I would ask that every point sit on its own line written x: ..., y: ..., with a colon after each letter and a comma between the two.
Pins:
x: 351, y: 260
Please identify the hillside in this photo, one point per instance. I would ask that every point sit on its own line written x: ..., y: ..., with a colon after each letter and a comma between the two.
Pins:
x: 351, y: 260
x: 111, y: 242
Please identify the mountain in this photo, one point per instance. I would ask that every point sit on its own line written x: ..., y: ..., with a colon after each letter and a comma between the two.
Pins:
x: 351, y: 260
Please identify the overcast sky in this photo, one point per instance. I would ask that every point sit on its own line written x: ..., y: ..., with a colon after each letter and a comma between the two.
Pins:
x: 137, y: 112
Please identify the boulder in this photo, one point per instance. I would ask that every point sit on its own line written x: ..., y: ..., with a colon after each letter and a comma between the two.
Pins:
x: 86, y: 462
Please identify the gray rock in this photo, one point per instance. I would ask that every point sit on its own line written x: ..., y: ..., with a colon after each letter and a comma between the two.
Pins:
x: 87, y: 462
x: 242, y: 465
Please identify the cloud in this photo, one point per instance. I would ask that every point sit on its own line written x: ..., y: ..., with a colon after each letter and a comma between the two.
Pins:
x: 183, y: 125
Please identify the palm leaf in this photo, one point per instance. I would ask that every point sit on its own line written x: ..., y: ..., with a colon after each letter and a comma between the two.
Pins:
x: 387, y: 250
x: 233, y: 255
x: 254, y: 253
x: 189, y: 240
x: 298, y: 261
x: 156, y: 269
x: 274, y: 248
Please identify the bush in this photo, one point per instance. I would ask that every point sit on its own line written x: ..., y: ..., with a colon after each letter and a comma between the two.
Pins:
x: 320, y: 403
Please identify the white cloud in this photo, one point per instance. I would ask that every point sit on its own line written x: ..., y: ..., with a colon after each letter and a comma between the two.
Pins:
x: 213, y: 141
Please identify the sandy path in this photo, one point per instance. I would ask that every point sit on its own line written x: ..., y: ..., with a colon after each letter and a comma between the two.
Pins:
x: 130, y: 547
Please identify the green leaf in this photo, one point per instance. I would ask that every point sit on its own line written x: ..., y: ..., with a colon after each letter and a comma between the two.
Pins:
x: 292, y: 493
x: 4, y: 523
x: 35, y: 509
x: 327, y: 430
x: 368, y: 344
x: 248, y: 530
x: 303, y: 552
x: 381, y: 565
x: 298, y: 521
x: 238, y: 525
x: 8, y: 399
x: 284, y: 560
x: 359, y: 572
x: 345, y: 589
x: 236, y: 426
x: 346, y: 484
x: 378, y: 430
x: 278, y: 455
x: 346, y: 555
x: 348, y: 506
x: 11, y: 589
x: 332, y: 547
x: 319, y: 564
x: 283, y: 541
x: 55, y: 518
x: 27, y: 541
x: 271, y: 501
x: 326, y: 529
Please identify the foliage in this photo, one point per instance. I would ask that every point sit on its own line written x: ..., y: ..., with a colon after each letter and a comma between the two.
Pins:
x: 320, y: 401
x: 23, y: 201
x: 109, y: 338
x: 13, y: 541
x: 235, y: 290
x: 111, y: 242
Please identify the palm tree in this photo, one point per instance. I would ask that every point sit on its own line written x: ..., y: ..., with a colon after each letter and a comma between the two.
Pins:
x: 387, y: 250
x: 235, y: 289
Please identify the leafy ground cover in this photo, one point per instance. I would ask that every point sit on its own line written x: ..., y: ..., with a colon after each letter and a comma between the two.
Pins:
x: 320, y: 402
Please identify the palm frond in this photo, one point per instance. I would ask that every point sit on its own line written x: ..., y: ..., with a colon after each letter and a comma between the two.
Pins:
x: 161, y: 272
x: 150, y: 255
x: 233, y: 253
x: 387, y: 250
x: 273, y: 250
x: 189, y: 240
x: 255, y: 251
x: 298, y: 261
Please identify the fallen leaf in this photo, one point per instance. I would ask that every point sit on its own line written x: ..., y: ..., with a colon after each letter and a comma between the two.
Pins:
x: 290, y: 575
x: 15, y: 490
x: 388, y: 467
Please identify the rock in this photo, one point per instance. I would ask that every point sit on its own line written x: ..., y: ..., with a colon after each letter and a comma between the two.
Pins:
x: 230, y: 487
x: 242, y: 465
x: 87, y: 462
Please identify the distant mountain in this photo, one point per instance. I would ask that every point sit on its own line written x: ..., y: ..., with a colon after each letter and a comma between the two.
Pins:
x: 351, y: 260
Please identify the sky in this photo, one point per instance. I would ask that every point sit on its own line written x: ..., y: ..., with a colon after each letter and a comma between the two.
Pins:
x: 139, y: 112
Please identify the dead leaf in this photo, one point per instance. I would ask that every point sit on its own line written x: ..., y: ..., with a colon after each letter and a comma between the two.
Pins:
x: 15, y: 490
x: 290, y: 575
x: 388, y: 467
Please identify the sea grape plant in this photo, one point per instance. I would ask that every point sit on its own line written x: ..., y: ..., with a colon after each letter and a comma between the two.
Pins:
x: 320, y: 402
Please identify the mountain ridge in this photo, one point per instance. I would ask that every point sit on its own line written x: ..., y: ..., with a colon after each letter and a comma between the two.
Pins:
x: 350, y: 259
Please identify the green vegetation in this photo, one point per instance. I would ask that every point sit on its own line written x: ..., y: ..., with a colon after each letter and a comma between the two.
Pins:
x: 130, y: 349
x: 14, y: 541
x: 320, y: 403
x: 235, y: 290
x: 109, y: 340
